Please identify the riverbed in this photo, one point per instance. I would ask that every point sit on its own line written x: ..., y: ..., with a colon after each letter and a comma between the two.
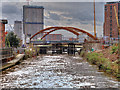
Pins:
x: 55, y: 71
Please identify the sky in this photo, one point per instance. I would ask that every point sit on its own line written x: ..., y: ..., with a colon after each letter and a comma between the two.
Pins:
x: 74, y: 13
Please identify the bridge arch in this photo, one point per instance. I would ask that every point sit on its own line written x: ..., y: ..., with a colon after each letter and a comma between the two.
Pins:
x: 54, y: 29
x: 83, y: 31
x: 70, y: 29
x: 74, y: 32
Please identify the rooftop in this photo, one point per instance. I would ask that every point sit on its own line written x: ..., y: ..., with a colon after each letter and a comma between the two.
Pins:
x: 18, y: 21
x: 31, y: 6
x: 113, y: 2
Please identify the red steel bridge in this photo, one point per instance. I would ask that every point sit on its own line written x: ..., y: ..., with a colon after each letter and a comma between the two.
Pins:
x: 70, y: 29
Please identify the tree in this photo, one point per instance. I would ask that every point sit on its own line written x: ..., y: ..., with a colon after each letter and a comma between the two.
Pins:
x: 11, y: 40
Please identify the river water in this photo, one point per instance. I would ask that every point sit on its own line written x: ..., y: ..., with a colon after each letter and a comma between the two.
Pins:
x: 55, y: 71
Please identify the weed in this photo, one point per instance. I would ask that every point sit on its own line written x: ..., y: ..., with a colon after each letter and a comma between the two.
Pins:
x: 114, y: 49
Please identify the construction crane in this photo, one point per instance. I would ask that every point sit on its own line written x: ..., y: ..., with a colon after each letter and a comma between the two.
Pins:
x: 118, y: 33
x: 116, y: 16
x: 94, y: 21
x: 28, y: 2
x: 117, y: 22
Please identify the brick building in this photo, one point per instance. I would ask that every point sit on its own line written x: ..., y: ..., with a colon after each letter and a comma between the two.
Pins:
x: 53, y: 37
x: 73, y: 39
x: 110, y: 22
x: 2, y: 33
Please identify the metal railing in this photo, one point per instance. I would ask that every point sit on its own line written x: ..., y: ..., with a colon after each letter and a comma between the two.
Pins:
x: 6, y: 53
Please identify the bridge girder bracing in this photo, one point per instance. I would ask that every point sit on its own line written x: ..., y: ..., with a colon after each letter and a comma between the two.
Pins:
x: 70, y: 29
x: 83, y: 31
x: 74, y: 32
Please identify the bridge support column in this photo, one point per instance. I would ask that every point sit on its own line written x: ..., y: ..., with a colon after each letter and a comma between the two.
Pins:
x: 43, y: 50
x: 71, y: 49
x: 57, y: 48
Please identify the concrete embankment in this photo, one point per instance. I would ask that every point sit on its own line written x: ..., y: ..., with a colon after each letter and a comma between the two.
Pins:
x: 11, y: 63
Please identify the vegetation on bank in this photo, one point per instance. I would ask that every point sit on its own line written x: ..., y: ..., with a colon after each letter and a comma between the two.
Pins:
x: 31, y: 52
x: 11, y: 40
x: 104, y: 63
x: 114, y: 49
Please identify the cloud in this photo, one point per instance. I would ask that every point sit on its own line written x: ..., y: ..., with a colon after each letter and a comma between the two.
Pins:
x: 76, y: 14
x: 54, y: 16
x: 10, y: 9
x: 58, y: 0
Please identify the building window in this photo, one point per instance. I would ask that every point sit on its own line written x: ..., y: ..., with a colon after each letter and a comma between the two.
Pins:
x: 118, y: 13
x: 110, y: 24
x: 105, y: 8
x: 118, y: 17
x: 110, y: 13
x: 110, y: 29
x: 118, y: 6
x: 110, y: 21
x: 110, y: 35
x: 110, y: 7
x: 110, y: 17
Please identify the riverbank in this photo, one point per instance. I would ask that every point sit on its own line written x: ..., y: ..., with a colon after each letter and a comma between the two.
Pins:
x: 106, y: 60
x: 18, y: 58
x: 11, y: 63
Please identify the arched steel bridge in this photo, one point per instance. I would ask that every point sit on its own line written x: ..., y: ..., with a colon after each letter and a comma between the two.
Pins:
x: 70, y: 29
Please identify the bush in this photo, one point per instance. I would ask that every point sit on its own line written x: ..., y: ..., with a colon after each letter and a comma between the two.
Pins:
x: 82, y: 53
x: 114, y: 49
x: 103, y: 63
x: 93, y: 57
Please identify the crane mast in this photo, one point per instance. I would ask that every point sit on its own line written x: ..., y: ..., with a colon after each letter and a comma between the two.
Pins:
x: 94, y: 21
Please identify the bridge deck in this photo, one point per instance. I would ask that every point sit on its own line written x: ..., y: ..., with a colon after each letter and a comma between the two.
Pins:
x: 52, y: 42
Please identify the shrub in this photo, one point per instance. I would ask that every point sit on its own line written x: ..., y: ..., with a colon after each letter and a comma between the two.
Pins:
x: 104, y: 64
x: 82, y: 53
x: 114, y: 49
x: 92, y: 57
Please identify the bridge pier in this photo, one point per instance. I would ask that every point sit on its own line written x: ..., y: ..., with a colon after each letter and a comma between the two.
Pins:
x: 43, y: 50
x: 57, y: 48
x: 71, y: 49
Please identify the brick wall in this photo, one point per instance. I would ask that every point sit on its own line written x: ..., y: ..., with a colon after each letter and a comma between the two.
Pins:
x: 2, y: 35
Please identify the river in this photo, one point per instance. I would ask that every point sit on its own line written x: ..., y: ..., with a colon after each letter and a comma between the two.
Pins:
x: 55, y: 71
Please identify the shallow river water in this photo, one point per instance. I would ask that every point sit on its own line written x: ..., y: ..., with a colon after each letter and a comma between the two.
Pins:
x: 55, y: 71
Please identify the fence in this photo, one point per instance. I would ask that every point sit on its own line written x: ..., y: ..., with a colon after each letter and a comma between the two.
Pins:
x: 6, y: 53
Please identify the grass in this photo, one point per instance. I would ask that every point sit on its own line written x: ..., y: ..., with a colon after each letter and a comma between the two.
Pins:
x: 82, y: 53
x: 104, y: 63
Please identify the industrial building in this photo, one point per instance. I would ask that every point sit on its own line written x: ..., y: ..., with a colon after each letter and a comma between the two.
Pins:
x: 73, y: 39
x: 18, y: 29
x: 110, y: 23
x: 53, y: 37
x: 33, y: 20
x: 2, y: 33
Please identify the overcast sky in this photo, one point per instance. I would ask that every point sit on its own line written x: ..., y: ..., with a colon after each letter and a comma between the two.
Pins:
x: 75, y: 13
